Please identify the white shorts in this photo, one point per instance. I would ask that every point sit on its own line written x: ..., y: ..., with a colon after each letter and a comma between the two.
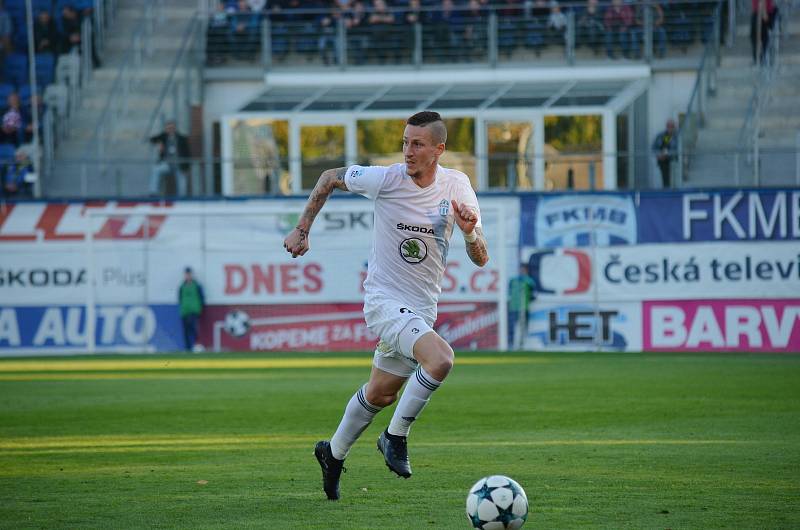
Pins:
x: 398, y: 327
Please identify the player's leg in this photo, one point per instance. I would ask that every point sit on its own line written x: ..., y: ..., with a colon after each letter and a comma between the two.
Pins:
x: 435, y: 358
x: 380, y: 391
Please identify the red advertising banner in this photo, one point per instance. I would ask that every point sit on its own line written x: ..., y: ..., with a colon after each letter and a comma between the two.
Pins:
x: 333, y: 327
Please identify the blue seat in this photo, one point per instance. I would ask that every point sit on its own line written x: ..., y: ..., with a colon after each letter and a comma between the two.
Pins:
x: 45, y: 69
x: 16, y: 69
x: 5, y: 90
x: 7, y: 153
x: 25, y: 93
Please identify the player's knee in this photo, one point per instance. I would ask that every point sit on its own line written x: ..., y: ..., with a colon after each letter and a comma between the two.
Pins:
x: 380, y: 398
x: 438, y: 361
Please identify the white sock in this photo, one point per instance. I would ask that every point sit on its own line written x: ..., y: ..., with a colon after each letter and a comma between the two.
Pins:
x: 358, y: 415
x: 418, y: 391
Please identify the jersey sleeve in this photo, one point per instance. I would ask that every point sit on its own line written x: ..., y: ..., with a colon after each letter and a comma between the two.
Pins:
x: 365, y: 180
x: 466, y: 195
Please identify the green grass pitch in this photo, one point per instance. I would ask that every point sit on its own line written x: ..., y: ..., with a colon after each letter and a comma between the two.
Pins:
x: 597, y: 440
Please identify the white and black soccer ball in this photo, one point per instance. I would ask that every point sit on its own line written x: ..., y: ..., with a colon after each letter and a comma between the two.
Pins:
x: 237, y: 323
x: 497, y: 503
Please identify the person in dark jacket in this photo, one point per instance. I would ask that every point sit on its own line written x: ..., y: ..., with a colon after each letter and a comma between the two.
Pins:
x: 191, y: 301
x: 173, y: 159
x: 664, y: 147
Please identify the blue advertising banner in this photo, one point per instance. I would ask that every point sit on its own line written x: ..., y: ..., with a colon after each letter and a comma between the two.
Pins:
x: 735, y: 215
x: 62, y: 328
x: 570, y: 219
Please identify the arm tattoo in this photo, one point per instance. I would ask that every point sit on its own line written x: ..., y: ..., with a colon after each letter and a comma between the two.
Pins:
x: 330, y: 179
x: 477, y: 250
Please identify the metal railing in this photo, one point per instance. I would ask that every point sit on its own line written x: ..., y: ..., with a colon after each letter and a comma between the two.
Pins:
x: 125, y: 83
x: 694, y: 117
x: 498, y: 34
x: 507, y: 173
x: 768, y: 62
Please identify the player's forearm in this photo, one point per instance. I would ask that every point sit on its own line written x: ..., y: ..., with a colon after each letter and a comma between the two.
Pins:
x: 328, y: 180
x: 477, y: 250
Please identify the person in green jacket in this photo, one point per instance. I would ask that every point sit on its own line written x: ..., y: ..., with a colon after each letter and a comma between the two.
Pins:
x: 521, y: 290
x: 190, y: 301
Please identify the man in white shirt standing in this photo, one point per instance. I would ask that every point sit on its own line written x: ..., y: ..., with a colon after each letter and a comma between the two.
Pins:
x: 417, y: 206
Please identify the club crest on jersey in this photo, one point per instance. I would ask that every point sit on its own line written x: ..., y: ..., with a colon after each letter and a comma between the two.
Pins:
x: 413, y: 250
x: 444, y: 207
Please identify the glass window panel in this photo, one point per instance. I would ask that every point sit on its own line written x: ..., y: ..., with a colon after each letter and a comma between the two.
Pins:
x: 460, y: 152
x: 573, y: 152
x: 260, y: 156
x: 321, y: 148
x: 510, y: 147
x: 380, y: 142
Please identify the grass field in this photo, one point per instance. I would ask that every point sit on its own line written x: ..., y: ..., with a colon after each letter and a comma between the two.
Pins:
x: 597, y: 440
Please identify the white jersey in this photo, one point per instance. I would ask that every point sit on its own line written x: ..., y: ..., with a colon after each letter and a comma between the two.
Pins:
x: 412, y: 230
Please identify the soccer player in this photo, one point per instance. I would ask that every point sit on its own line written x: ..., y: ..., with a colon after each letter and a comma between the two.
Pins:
x: 417, y: 206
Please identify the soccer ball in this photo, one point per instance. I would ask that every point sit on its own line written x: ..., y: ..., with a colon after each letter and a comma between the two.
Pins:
x: 237, y: 323
x: 497, y: 503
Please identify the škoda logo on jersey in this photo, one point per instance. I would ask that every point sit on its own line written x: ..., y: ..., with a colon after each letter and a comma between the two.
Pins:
x: 413, y: 250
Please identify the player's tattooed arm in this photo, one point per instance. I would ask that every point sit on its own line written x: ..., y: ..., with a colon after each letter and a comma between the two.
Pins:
x: 297, y: 243
x: 477, y: 250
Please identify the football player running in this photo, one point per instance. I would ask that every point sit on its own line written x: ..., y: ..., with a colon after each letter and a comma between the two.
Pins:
x: 417, y: 206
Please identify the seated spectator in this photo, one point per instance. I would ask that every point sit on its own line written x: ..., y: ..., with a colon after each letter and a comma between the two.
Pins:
x: 5, y: 32
x: 557, y: 23
x: 591, y: 26
x: 11, y: 127
x: 618, y: 20
x: 445, y: 22
x: 15, y: 177
x: 245, y: 31
x: 357, y: 31
x: 328, y: 26
x: 45, y: 33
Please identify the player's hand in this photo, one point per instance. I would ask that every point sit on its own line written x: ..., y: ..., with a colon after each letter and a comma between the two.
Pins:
x: 466, y: 217
x: 297, y: 243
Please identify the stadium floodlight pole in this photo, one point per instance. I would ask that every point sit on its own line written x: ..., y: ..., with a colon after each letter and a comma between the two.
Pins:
x: 37, y: 166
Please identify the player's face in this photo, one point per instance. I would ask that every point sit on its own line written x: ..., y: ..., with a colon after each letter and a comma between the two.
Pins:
x: 420, y: 150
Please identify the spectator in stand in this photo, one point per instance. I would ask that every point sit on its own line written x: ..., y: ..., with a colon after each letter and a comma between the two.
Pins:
x: 70, y: 31
x: 245, y: 31
x: 328, y: 24
x: 766, y: 11
x: 446, y: 22
x: 217, y: 35
x: 591, y: 26
x: 618, y: 20
x: 15, y: 178
x: 173, y: 159
x: 11, y: 127
x: 664, y: 147
x: 357, y: 30
x: 474, y: 35
x: 45, y: 33
x: 380, y: 21
x: 27, y: 116
x: 257, y: 6
x: 637, y: 29
x: 6, y: 30
x: 556, y: 24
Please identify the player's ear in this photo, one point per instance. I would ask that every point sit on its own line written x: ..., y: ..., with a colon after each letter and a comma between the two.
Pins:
x: 440, y: 149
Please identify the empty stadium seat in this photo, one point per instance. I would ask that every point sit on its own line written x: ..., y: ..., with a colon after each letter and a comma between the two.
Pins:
x: 45, y: 68
x: 16, y: 69
x: 7, y: 153
x: 5, y: 90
